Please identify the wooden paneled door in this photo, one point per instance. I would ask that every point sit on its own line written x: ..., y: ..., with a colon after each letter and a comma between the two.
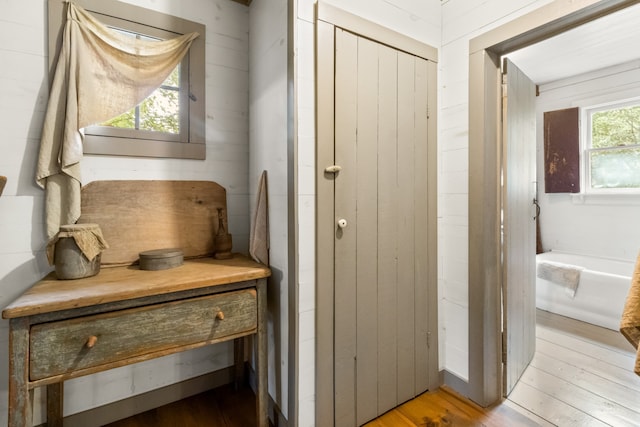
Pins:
x: 519, y: 232
x: 382, y: 232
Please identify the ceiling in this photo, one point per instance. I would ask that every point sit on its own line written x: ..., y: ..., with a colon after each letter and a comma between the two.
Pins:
x: 611, y: 40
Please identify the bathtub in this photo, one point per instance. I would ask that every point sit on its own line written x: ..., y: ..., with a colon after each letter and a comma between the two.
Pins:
x: 601, y: 293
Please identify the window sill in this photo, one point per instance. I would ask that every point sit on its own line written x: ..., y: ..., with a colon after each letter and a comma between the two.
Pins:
x: 144, y: 148
x: 618, y: 199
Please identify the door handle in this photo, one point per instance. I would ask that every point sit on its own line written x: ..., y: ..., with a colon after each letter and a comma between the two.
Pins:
x: 342, y: 223
x: 333, y: 169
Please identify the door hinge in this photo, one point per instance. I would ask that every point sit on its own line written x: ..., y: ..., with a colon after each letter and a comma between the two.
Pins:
x: 428, y: 339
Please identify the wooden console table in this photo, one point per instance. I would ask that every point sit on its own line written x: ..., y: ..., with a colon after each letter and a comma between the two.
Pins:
x: 62, y: 329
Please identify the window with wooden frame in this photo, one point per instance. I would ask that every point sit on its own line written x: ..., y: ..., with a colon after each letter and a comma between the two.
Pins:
x: 169, y: 123
x: 611, y: 154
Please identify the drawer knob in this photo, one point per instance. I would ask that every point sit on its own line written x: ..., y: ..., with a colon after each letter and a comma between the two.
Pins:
x: 92, y: 341
x: 220, y: 315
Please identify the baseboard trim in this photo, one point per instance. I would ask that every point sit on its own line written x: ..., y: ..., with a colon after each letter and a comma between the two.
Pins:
x: 454, y: 382
x: 137, y: 404
x: 152, y: 399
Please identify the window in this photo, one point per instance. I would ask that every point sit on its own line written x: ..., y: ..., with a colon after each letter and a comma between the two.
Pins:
x: 612, y: 148
x: 159, y: 113
x: 171, y: 121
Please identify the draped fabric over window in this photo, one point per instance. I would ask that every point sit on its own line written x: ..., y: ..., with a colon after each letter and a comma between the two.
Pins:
x: 99, y: 75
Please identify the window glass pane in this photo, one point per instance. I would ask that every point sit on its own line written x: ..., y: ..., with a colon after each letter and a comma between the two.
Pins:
x: 616, y: 127
x: 615, y: 168
x: 126, y: 120
x: 160, y: 112
x: 174, y: 79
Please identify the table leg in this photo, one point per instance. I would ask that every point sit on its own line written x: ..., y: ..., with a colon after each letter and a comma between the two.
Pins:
x: 20, y: 397
x: 55, y: 402
x: 262, y: 394
x: 238, y: 356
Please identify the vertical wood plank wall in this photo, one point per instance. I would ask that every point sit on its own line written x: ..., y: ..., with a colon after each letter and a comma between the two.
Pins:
x: 381, y: 265
x: 345, y: 182
x: 518, y: 156
x: 425, y: 226
x: 407, y: 257
x: 387, y: 228
x: 367, y: 218
x: 325, y: 226
x: 423, y: 26
x: 327, y: 229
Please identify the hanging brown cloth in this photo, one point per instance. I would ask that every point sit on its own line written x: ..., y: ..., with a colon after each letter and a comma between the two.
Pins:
x: 630, y: 323
x: 259, y: 238
x: 99, y: 75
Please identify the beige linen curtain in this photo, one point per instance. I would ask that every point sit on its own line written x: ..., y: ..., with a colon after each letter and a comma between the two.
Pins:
x: 100, y: 74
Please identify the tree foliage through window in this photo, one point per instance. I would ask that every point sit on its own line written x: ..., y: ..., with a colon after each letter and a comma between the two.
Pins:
x: 159, y: 112
x: 614, y: 154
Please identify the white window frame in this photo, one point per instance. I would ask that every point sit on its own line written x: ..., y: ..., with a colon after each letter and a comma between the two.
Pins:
x: 191, y: 142
x: 586, y: 148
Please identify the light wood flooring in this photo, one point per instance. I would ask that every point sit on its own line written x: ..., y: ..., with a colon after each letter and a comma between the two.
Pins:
x: 581, y: 375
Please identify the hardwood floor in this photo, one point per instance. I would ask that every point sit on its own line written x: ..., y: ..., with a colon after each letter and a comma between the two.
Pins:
x: 221, y: 407
x: 581, y: 375
x: 446, y: 408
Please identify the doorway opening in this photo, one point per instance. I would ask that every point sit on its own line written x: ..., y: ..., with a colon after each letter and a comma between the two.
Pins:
x: 485, y: 256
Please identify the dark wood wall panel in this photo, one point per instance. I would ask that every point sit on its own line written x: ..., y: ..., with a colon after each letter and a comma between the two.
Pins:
x: 562, y: 151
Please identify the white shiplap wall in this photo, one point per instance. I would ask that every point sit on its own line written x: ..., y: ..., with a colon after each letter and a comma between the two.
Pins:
x: 604, y: 226
x: 23, y: 84
x: 304, y: 57
x: 268, y: 151
x: 418, y: 19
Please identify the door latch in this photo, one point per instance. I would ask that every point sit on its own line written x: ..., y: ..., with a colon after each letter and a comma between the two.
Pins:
x: 333, y: 169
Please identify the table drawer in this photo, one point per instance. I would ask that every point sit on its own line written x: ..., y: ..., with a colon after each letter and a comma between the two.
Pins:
x: 86, y: 342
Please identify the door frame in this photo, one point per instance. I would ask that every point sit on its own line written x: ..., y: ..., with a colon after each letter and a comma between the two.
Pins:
x: 485, y: 269
x: 328, y: 17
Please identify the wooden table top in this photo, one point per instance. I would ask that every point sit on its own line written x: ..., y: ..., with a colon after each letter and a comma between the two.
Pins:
x: 129, y: 282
